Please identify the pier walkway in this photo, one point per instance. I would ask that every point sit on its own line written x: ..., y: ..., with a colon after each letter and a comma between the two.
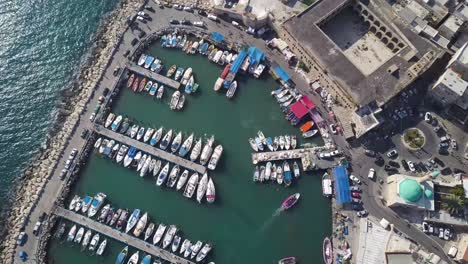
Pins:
x: 308, y: 158
x: 120, y: 236
x: 150, y: 149
x: 152, y: 75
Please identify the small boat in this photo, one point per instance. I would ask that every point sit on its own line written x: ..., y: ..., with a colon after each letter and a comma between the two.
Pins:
x: 259, y: 70
x: 129, y: 157
x: 174, y: 100
x: 290, y: 201
x: 153, y: 89
x: 130, y: 80
x: 71, y: 234
x: 281, y: 142
x: 159, y: 233
x: 155, y: 64
x: 61, y: 230
x: 105, y: 210
x: 207, y: 150
x: 142, y: 85
x: 225, y: 71
x: 195, y: 249
x: 215, y: 157
x: 171, y: 71
x: 73, y: 202
x: 217, y: 56
x: 191, y: 186
x: 135, y: 84
x: 86, y: 203
x: 121, y: 153
x: 256, y: 174
x: 122, y: 220
x: 176, y: 243
x: 163, y: 40
x: 101, y: 248
x: 146, y: 260
x: 109, y: 216
x: 189, y: 85
x: 210, y: 192
x: 327, y: 250
x: 186, y: 146
x: 269, y: 143
x: 132, y: 221
x: 124, y: 126
x: 262, y: 173
x: 195, y: 87
x: 134, y: 131
x: 140, y: 134
x: 152, y: 165
x: 261, y: 136
x: 187, y: 45
x: 134, y: 258
x: 169, y: 236
x: 148, y: 86
x: 203, y: 48
x: 148, y: 134
x: 96, y: 204
x: 166, y: 140
x: 103, y: 146
x: 232, y: 89
x: 78, y: 205
x: 122, y: 255
x: 178, y: 73
x: 308, y: 125
x: 157, y: 167
x: 86, y: 239
x: 182, y: 180
x: 79, y: 235
x: 279, y: 174
x: 259, y: 143
x: 185, y: 245
x: 163, y: 175
x: 222, y: 60
x: 142, y: 162
x: 115, y: 125
x: 156, y: 136
x: 309, y: 133
x: 181, y: 102
x: 176, y: 142
x: 204, y: 252
x: 296, y: 170
x: 110, y: 118
x: 115, y: 218
x: 186, y: 76
x: 149, y: 60
x: 218, y: 84
x: 196, y: 150
x: 160, y: 93
x: 287, y: 144
x: 293, y: 141
x: 94, y: 242
x: 288, y: 260
x: 141, y: 225
x: 268, y: 171
x: 173, y: 176
x: 212, y: 54
x: 273, y: 172
x: 275, y: 143
x: 98, y: 142
x: 194, y: 47
x: 287, y: 103
x: 253, y: 145
x: 210, y: 49
x: 229, y: 58
x: 142, y: 59
x: 287, y: 177
x: 202, y: 186
x: 145, y: 166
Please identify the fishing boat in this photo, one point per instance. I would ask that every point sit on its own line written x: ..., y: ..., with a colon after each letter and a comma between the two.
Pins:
x: 132, y: 221
x: 176, y: 142
x: 122, y: 220
x: 134, y: 131
x: 253, y: 145
x: 94, y: 242
x: 290, y: 201
x: 73, y: 202
x: 194, y: 47
x: 110, y: 118
x: 187, y: 45
x: 79, y: 235
x: 130, y: 80
x: 148, y: 134
x: 86, y: 203
x: 159, y: 233
x: 141, y: 225
x: 101, y: 248
x: 287, y: 176
x: 98, y: 142
x: 115, y: 218
x: 148, y: 61
x: 134, y: 258
x: 142, y: 85
x: 218, y: 84
x: 296, y: 170
x: 163, y: 40
x: 327, y: 190
x: 146, y: 260
x: 122, y: 256
x: 229, y: 58
x: 308, y: 125
x: 189, y: 85
x: 217, y: 56
x: 186, y: 244
x: 268, y: 170
x: 287, y: 144
x: 181, y: 102
x: 129, y: 157
x: 176, y: 243
x: 210, y: 49
x: 186, y: 146
x: 273, y: 172
x: 163, y: 175
x: 287, y: 260
x: 310, y: 133
x: 145, y: 166
x: 166, y: 140
x: 195, y: 249
x: 269, y: 143
x: 279, y: 174
x: 115, y: 125
x: 86, y: 239
x: 293, y: 141
x: 203, y: 48
x: 135, y: 84
x: 203, y: 252
x: 154, y: 65
x: 182, y: 180
x: 142, y: 59
x: 207, y: 150
x: 178, y: 73
x: 153, y: 89
x: 195, y: 87
x: 210, y: 192
x: 157, y: 167
x: 160, y: 93
x: 191, y: 186
x: 202, y: 186
x: 281, y: 142
x: 171, y: 71
x: 156, y: 136
x: 186, y: 76
x: 148, y: 86
x: 196, y: 150
x: 96, y: 204
x: 173, y: 176
x: 169, y: 236
x: 259, y: 143
x: 174, y: 100
x: 259, y: 70
x: 121, y: 153
x: 225, y: 71
x: 212, y: 54
x: 71, y: 234
x: 327, y: 251
x: 140, y: 134
x: 256, y: 174
x: 232, y: 89
x: 104, y: 212
x: 215, y: 157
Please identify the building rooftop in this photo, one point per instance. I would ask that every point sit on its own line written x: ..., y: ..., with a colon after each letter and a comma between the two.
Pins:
x: 410, y: 190
x: 453, y: 81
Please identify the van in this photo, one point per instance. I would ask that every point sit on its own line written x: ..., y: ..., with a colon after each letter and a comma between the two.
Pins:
x: 213, y: 17
x: 371, y: 174
x: 199, y: 24
x: 234, y: 23
x: 444, y: 138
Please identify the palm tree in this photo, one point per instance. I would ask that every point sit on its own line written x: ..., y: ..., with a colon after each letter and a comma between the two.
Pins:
x: 452, y: 204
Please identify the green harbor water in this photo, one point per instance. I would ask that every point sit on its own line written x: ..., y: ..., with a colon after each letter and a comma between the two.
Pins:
x: 241, y: 224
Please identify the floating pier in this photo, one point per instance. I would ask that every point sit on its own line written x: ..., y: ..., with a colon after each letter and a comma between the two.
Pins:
x: 120, y: 236
x: 308, y: 157
x: 154, y: 151
x: 155, y: 76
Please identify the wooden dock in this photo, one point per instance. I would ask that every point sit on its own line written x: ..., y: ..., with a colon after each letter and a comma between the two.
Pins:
x: 153, y: 151
x: 308, y: 158
x: 108, y: 231
x: 161, y: 79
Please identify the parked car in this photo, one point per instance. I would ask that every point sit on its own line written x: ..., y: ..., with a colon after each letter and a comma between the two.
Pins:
x: 405, y: 164
x: 21, y: 238
x: 411, y: 166
x: 443, y: 145
x: 394, y: 164
x: 202, y: 13
x: 356, y: 201
x: 441, y: 233
x: 447, y: 234
x: 92, y: 116
x: 357, y: 207
x: 370, y: 153
x: 355, y: 189
x: 425, y: 227
x: 37, y: 227
x: 438, y: 161
x: 371, y: 174
x: 392, y: 153
x: 355, y: 179
x: 355, y: 195
x: 186, y: 22
x: 454, y: 144
x: 428, y: 117
x: 174, y: 22
x: 333, y: 128
x: 362, y: 213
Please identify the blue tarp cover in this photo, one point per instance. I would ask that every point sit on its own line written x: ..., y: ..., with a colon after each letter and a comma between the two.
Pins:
x: 218, y: 37
x: 343, y: 194
x: 256, y: 55
x: 281, y: 73
x: 235, y: 66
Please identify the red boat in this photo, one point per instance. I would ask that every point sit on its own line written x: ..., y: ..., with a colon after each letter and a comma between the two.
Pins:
x: 225, y: 71
x: 288, y: 260
x: 142, y: 85
x: 130, y: 80
x: 135, y: 84
x: 290, y: 201
x: 327, y: 251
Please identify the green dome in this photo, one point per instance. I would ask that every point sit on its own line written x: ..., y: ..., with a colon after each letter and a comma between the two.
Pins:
x: 410, y: 190
x: 428, y: 193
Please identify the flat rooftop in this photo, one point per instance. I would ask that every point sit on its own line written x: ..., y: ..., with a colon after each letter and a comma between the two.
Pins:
x: 358, y: 47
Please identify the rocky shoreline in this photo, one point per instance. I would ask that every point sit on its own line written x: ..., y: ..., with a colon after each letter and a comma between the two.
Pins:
x: 34, y: 178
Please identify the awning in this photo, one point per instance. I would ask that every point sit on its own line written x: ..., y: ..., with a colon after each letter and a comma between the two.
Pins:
x: 343, y: 194
x: 307, y: 102
x: 283, y: 75
x: 299, y: 110
x: 218, y: 37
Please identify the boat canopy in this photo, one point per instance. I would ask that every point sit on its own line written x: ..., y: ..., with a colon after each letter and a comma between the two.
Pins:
x: 218, y: 37
x: 343, y: 194
x: 256, y: 55
x: 302, y: 107
x: 281, y: 73
x: 238, y: 62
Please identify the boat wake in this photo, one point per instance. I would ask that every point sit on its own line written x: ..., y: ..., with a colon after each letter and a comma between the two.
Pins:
x: 270, y: 220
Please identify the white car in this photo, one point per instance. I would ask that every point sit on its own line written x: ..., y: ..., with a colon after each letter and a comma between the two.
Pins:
x: 441, y: 233
x: 411, y: 166
x: 425, y: 227
x: 335, y: 153
x: 355, y: 179
x: 333, y: 128
x: 454, y: 144
x: 92, y: 116
x: 392, y: 153
x: 371, y: 174
x: 428, y: 117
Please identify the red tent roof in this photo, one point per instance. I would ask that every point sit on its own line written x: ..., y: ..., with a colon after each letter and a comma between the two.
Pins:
x: 302, y: 107
x: 306, y: 101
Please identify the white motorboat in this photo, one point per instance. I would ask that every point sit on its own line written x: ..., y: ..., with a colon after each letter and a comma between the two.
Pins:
x: 182, y: 180
x: 253, y: 145
x: 287, y: 144
x: 218, y: 84
x: 186, y: 244
x: 273, y: 173
x: 115, y: 125
x: 207, y: 150
x: 159, y: 233
x: 79, y: 235
x: 134, y: 131
x: 132, y: 221
x: 163, y: 175
x: 149, y: 231
x: 101, y: 247
x: 210, y: 192
x: 94, y: 242
x: 121, y: 154
x: 142, y: 59
x: 202, y: 186
x: 103, y: 146
x: 157, y: 167
x: 186, y: 146
x: 169, y: 236
x: 73, y: 202
x: 140, y: 134
x: 196, y: 150
x: 86, y: 239
x: 268, y: 170
x: 141, y: 225
x: 71, y: 234
x: 310, y: 133
x: 232, y: 89
x: 191, y: 186
x: 153, y: 89
x: 203, y: 252
x: 186, y: 76
x: 145, y: 166
x: 181, y: 102
x: 96, y: 204
x: 142, y: 162
x: 129, y: 157
x: 279, y: 174
x: 262, y: 137
x: 151, y: 165
x: 156, y: 136
x: 134, y: 258
x: 176, y: 243
x: 160, y: 93
x: 195, y: 249
x: 166, y: 140
x: 173, y: 176
x: 215, y: 157
x: 175, y: 100
x: 293, y: 141
x: 176, y: 142
x: 97, y: 144
x: 110, y: 118
x: 259, y: 70
x: 296, y: 170
x: 148, y: 134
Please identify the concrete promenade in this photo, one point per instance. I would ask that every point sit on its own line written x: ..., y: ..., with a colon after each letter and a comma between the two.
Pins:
x: 153, y: 151
x: 161, y: 79
x: 120, y: 236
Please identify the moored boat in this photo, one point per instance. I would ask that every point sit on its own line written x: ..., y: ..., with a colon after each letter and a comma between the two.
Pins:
x: 308, y: 125
x: 287, y: 260
x: 186, y: 244
x: 166, y: 140
x: 122, y: 220
x: 186, y: 146
x: 159, y: 233
x: 134, y: 258
x: 142, y: 85
x: 218, y: 84
x: 71, y: 234
x: 174, y: 100
x: 101, y: 248
x: 195, y: 249
x: 210, y: 192
x: 176, y: 243
x: 148, y: 134
x: 169, y: 236
x: 327, y: 190
x: 296, y: 170
x: 96, y: 204
x: 142, y: 59
x: 207, y: 150
x: 115, y: 125
x: 110, y: 118
x: 173, y: 176
x: 86, y: 239
x: 132, y: 221
x: 202, y: 186
x: 327, y: 251
x: 290, y: 201
x: 79, y: 235
x: 171, y: 71
x: 310, y: 133
x: 191, y: 186
x: 182, y: 180
x: 178, y: 73
x: 94, y: 242
x: 160, y: 93
x: 196, y: 150
x: 253, y: 145
x: 203, y: 252
x: 130, y: 80
x: 287, y: 176
x: 122, y: 256
x: 181, y: 102
x: 163, y: 175
x: 215, y: 157
x: 156, y: 136
x: 141, y: 225
x: 232, y: 89
x: 176, y: 142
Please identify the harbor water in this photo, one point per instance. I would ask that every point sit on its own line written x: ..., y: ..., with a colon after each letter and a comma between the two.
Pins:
x: 243, y: 224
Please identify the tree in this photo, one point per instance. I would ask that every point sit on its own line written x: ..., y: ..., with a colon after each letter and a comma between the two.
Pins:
x: 458, y: 191
x: 452, y: 204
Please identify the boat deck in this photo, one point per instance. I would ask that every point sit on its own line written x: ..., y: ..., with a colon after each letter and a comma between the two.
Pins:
x: 152, y: 75
x: 156, y: 152
x: 307, y: 156
x: 120, y: 236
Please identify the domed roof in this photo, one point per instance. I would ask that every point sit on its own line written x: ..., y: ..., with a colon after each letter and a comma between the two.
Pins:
x: 428, y: 193
x: 410, y: 190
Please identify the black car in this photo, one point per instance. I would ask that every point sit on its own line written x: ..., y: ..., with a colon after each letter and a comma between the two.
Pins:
x: 405, y: 165
x: 455, y: 170
x: 394, y: 164
x: 149, y: 8
x: 357, y: 207
x: 116, y: 71
x: 134, y: 41
x: 174, y: 22
x: 370, y: 153
x: 422, y: 166
x: 84, y: 133
x: 126, y: 53
x: 202, y: 13
x: 142, y: 34
x: 105, y: 92
x: 439, y: 161
x: 185, y: 22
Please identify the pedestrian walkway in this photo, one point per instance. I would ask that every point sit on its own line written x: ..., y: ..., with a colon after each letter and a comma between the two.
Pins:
x: 307, y: 156
x: 161, y: 79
